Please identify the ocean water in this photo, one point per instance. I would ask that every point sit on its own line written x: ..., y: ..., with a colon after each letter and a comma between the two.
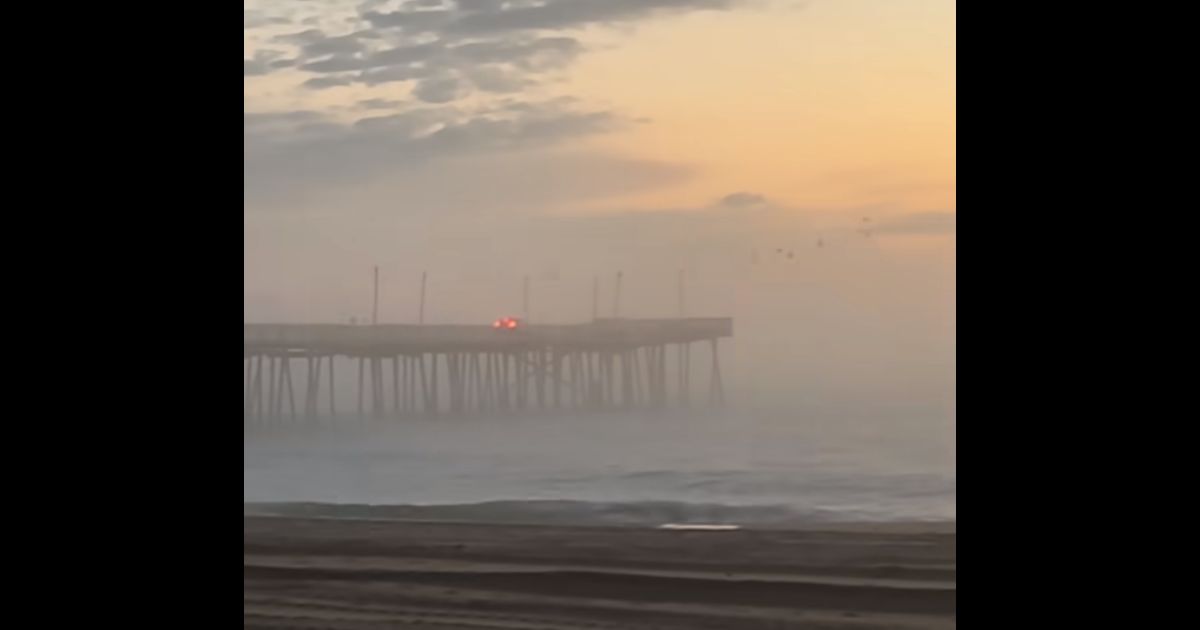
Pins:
x: 881, y: 465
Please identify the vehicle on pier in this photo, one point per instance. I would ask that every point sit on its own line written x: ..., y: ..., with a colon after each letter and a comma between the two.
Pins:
x: 507, y: 323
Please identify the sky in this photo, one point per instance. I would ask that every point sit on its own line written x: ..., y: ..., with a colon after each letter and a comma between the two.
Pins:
x: 796, y: 160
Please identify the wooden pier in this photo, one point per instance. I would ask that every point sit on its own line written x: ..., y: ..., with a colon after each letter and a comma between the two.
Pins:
x: 398, y: 371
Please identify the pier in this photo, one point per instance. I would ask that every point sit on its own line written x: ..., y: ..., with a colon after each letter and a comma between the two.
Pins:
x: 401, y: 371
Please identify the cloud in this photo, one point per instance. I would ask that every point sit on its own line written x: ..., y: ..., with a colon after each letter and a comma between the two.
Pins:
x: 483, y: 17
x: 742, y: 200
x: 259, y: 19
x: 434, y: 79
x: 295, y: 150
x: 315, y: 43
x: 498, y: 80
x: 535, y: 55
x: 380, y: 103
x: 322, y: 83
x: 439, y: 90
x: 428, y: 39
x: 518, y: 59
x: 263, y: 62
x: 572, y: 14
x: 253, y: 68
x: 392, y: 75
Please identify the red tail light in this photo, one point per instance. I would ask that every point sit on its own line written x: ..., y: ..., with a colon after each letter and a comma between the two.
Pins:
x: 506, y: 323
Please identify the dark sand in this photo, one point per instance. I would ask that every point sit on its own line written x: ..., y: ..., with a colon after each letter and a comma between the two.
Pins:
x: 309, y: 574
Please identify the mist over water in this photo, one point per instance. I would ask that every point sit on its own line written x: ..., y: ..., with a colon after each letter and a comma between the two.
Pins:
x: 841, y: 377
x: 790, y: 167
x: 832, y: 466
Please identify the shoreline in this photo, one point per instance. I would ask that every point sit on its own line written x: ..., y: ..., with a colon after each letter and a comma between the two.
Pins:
x: 338, y: 573
x: 585, y: 514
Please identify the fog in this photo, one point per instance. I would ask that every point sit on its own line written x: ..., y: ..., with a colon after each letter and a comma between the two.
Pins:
x: 822, y: 314
x: 800, y: 185
x: 840, y: 374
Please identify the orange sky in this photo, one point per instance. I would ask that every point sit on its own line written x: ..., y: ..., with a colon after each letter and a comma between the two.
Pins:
x: 822, y: 105
x: 838, y: 104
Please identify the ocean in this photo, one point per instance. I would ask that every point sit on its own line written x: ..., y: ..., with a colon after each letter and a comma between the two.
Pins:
x: 759, y: 466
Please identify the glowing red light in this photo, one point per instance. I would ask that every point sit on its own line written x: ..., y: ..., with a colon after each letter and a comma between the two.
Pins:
x: 505, y: 323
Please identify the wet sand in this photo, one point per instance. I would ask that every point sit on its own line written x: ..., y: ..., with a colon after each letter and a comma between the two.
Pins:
x: 334, y: 574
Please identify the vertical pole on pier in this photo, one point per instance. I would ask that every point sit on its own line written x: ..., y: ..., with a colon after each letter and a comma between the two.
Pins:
x: 425, y: 391
x: 374, y: 365
x: 652, y: 372
x: 332, y: 390
x: 375, y: 300
x: 588, y: 387
x: 424, y: 286
x: 717, y: 384
x: 410, y: 384
x: 246, y: 398
x: 499, y: 384
x: 262, y: 401
x: 473, y: 382
x: 436, y: 389
x: 628, y: 388
x: 662, y: 377
x: 318, y: 366
x: 310, y: 387
x: 556, y: 377
x: 543, y: 371
x: 362, y: 384
x: 463, y: 376
x: 609, y: 379
x: 648, y: 357
x: 685, y: 374
x: 595, y: 298
x: 573, y: 369
x: 256, y: 388
x: 636, y: 361
x: 274, y: 400
x: 478, y: 387
x: 617, y: 296
x: 510, y: 393
x: 396, y: 398
x: 521, y: 366
x: 287, y: 382
x: 682, y: 294
x: 452, y: 380
x: 491, y: 377
x: 377, y: 394
x: 268, y: 406
x: 684, y: 355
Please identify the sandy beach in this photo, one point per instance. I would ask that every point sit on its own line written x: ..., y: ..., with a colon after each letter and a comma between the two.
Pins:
x: 342, y: 574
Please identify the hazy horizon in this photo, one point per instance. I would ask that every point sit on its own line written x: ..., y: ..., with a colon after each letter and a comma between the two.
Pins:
x: 796, y: 161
